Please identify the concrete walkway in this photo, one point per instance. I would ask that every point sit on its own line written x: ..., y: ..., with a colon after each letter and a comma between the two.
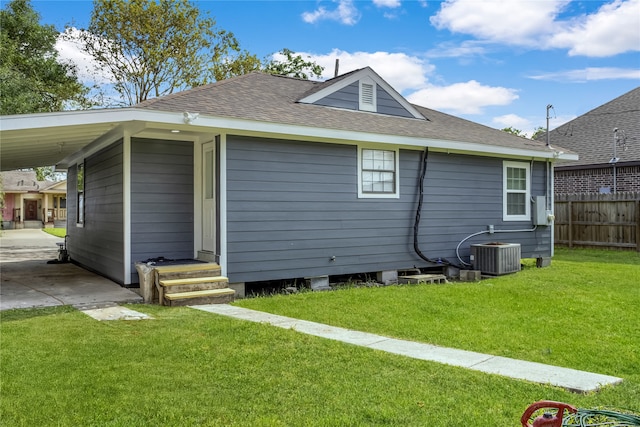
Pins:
x: 28, y: 281
x: 570, y: 379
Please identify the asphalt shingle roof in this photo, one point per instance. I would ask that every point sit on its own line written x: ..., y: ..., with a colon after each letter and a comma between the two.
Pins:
x: 591, y: 135
x: 23, y: 181
x: 268, y: 98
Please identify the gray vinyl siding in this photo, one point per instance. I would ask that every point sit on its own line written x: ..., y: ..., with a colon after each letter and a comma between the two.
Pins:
x: 99, y: 244
x: 388, y: 105
x: 293, y: 206
x: 161, y: 200
x: 463, y: 196
x: 348, y: 98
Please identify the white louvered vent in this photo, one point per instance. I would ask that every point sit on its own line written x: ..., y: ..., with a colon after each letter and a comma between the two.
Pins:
x: 367, y: 95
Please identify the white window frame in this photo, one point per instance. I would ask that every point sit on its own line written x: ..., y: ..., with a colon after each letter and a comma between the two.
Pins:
x: 526, y: 192
x: 80, y: 207
x: 367, y: 195
x: 366, y: 106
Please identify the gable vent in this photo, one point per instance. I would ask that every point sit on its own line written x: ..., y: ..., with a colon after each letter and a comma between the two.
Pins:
x: 367, y: 96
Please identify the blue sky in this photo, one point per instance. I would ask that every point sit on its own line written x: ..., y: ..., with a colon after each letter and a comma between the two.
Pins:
x: 496, y: 62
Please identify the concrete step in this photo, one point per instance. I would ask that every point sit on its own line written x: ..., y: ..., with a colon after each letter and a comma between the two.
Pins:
x: 423, y: 278
x: 209, y: 296
x: 172, y: 286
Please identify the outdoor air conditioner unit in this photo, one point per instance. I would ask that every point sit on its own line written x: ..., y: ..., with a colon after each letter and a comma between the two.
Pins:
x: 496, y: 259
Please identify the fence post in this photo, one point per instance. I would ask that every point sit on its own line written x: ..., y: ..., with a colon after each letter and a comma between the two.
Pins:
x: 638, y: 225
x: 570, y: 209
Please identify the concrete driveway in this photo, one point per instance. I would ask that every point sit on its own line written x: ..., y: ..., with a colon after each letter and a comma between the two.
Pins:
x: 26, y: 280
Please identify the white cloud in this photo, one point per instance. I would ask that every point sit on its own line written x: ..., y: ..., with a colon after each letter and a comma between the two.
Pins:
x: 465, y: 49
x: 69, y: 50
x: 612, y: 30
x: 512, y: 120
x: 505, y: 21
x: 463, y: 98
x: 346, y: 13
x: 387, y: 3
x: 589, y: 74
x: 401, y: 71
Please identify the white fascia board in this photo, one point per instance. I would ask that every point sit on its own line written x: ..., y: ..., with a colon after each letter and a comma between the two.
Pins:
x: 64, y: 118
x: 140, y: 120
x: 358, y: 75
x: 88, y: 118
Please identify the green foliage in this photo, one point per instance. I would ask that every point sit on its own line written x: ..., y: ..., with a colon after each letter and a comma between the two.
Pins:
x: 243, y: 63
x: 153, y: 48
x: 538, y: 132
x: 48, y: 173
x: 32, y: 79
x: 293, y: 66
x: 513, y: 131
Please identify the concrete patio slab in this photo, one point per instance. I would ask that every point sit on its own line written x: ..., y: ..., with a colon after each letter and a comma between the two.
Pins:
x: 28, y: 281
x: 115, y: 313
x: 570, y: 379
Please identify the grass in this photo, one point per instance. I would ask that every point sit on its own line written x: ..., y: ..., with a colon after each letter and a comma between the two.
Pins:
x: 60, y: 367
x: 58, y: 232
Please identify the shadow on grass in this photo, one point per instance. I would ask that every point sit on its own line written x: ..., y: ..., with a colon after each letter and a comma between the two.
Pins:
x: 609, y: 256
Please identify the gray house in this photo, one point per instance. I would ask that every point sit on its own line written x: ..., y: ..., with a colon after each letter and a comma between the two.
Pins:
x: 276, y: 178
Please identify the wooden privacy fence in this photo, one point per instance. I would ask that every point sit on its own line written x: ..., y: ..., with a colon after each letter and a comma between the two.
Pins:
x: 603, y: 220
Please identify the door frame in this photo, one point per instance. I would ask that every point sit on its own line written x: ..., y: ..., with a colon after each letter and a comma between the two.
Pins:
x: 208, y: 197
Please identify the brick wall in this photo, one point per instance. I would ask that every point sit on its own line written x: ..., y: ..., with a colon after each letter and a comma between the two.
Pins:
x: 593, y: 180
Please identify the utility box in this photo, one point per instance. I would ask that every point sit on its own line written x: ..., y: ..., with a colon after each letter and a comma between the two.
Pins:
x: 496, y: 259
x: 541, y: 216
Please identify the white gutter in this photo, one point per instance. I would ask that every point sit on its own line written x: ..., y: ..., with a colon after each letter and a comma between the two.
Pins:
x: 174, y: 120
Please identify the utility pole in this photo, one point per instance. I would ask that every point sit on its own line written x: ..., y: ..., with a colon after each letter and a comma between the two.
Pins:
x: 615, y: 158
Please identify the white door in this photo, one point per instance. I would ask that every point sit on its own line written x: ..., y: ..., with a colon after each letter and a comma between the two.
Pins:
x: 208, y: 198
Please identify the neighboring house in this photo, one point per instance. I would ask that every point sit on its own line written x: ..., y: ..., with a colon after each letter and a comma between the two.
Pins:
x: 607, y: 140
x: 29, y: 203
x: 279, y: 178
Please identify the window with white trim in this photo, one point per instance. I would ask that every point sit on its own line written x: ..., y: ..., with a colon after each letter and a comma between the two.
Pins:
x: 377, y: 173
x: 516, y: 191
x: 80, y: 193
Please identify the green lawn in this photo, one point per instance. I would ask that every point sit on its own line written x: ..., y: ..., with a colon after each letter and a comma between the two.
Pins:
x: 58, y: 232
x: 60, y: 367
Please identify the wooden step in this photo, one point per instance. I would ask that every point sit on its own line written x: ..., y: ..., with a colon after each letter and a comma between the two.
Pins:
x: 180, y: 271
x: 172, y: 286
x: 423, y: 278
x: 209, y: 296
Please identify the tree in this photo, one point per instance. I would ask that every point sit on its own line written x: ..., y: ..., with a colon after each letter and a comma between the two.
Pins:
x: 243, y: 63
x: 32, y: 79
x: 293, y: 66
x: 152, y: 48
x: 513, y: 131
x: 537, y: 132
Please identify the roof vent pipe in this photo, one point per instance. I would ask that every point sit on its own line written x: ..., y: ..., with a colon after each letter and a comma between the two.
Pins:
x: 335, y: 73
